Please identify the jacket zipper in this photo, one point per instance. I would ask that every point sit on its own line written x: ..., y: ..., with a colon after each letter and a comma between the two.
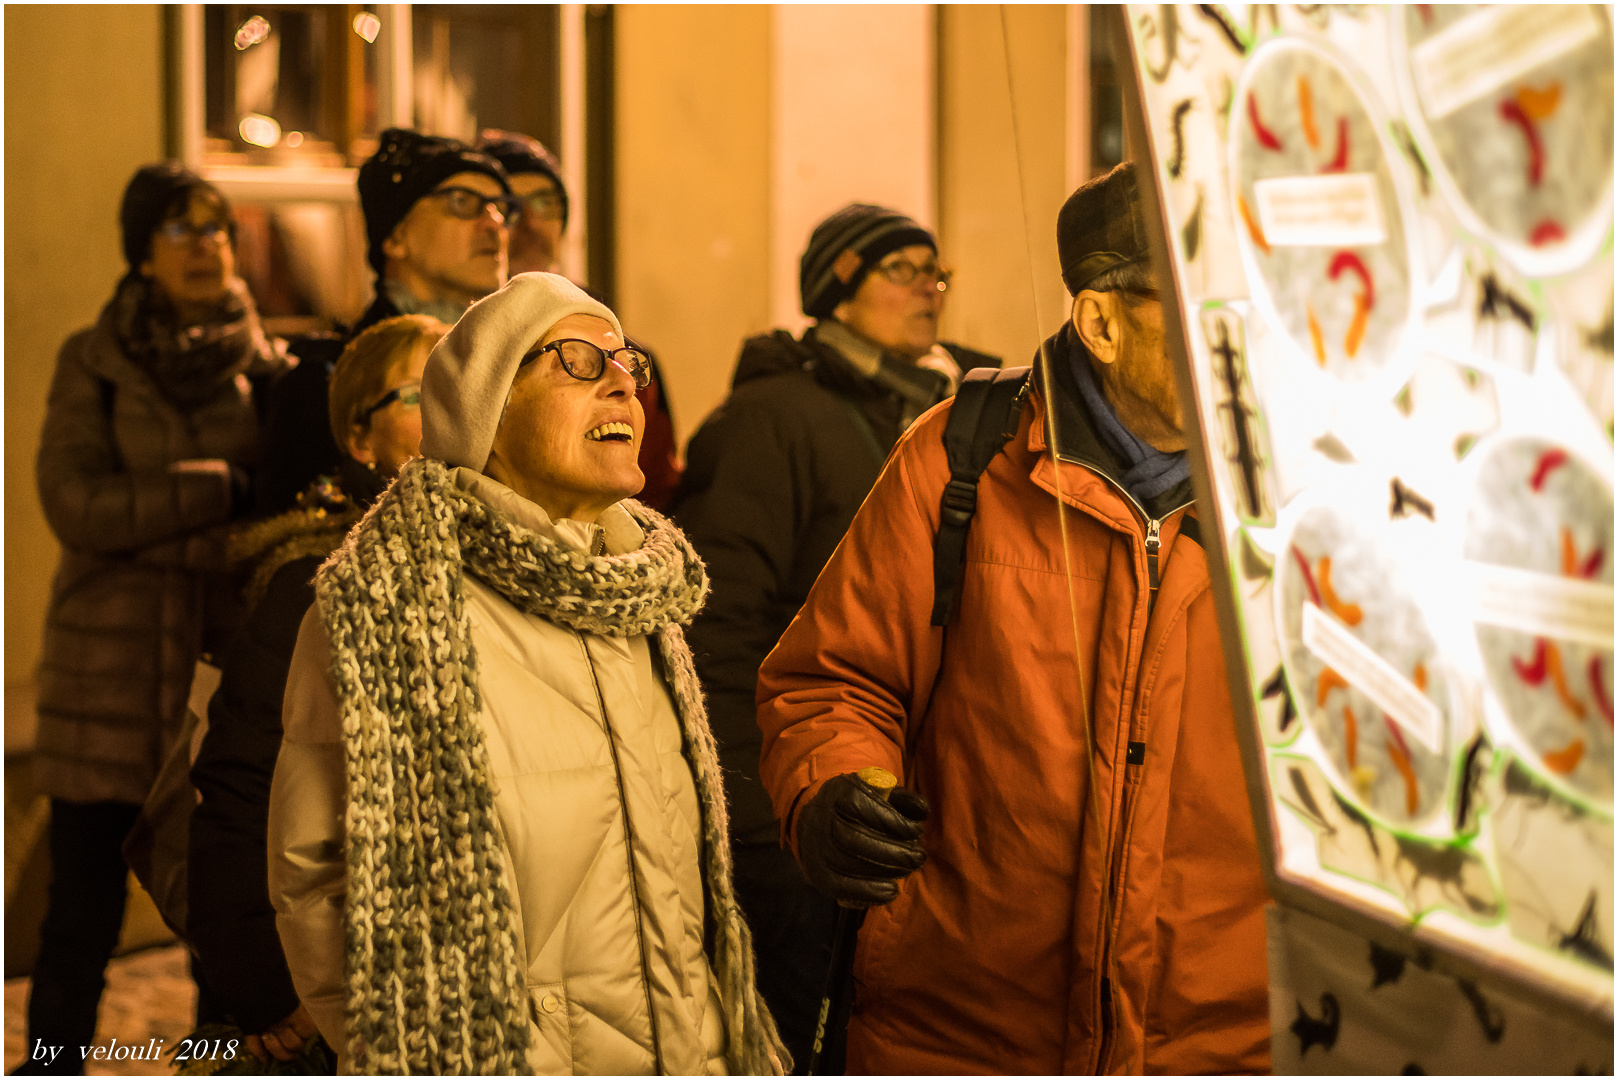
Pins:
x: 629, y: 851
x: 1153, y: 541
x: 1154, y: 528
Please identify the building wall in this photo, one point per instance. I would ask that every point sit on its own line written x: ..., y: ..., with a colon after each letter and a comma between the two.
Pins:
x: 693, y: 145
x: 853, y: 119
x: 732, y: 143
x: 1003, y: 144
x: 84, y: 109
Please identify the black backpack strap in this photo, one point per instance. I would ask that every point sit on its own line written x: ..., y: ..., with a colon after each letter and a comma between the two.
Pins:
x: 982, y: 419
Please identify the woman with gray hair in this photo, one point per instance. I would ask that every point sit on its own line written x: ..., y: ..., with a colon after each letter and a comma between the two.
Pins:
x: 497, y: 826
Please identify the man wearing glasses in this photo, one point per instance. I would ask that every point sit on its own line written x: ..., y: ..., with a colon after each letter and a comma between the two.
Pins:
x: 542, y: 207
x: 436, y: 221
x: 772, y: 480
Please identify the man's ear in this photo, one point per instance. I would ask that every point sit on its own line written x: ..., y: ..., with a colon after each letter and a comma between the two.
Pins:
x: 846, y: 265
x: 394, y: 246
x: 1095, y: 320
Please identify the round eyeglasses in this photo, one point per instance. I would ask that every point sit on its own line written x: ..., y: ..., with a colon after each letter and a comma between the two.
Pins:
x: 181, y: 231
x: 468, y: 205
x: 408, y: 395
x: 904, y: 273
x: 587, y: 362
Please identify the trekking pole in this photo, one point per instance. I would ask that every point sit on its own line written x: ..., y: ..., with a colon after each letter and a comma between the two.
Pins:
x: 849, y: 918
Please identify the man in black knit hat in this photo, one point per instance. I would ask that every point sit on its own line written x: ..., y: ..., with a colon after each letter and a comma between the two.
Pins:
x: 772, y: 481
x: 436, y: 215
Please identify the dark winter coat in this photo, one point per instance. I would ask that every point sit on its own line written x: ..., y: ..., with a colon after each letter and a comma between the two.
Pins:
x: 230, y: 923
x: 141, y: 587
x: 298, y: 441
x: 772, y: 480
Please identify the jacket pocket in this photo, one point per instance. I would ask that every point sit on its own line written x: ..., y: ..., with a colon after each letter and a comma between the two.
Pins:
x: 550, y: 1034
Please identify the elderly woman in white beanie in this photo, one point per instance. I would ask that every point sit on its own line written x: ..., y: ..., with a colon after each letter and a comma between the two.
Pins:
x: 497, y: 826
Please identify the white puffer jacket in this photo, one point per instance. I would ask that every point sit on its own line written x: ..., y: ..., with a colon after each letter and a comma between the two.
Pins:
x: 600, y: 820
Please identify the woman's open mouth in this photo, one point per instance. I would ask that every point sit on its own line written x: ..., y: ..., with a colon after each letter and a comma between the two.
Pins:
x: 613, y: 432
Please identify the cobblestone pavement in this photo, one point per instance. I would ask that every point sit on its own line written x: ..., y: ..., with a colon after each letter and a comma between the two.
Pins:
x: 149, y: 996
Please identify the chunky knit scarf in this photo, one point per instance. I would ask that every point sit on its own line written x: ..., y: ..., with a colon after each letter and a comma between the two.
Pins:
x: 435, y: 984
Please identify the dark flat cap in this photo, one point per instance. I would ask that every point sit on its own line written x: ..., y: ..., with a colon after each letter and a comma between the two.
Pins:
x: 1100, y: 227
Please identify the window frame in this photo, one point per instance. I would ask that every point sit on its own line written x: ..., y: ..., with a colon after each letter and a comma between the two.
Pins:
x: 394, y: 108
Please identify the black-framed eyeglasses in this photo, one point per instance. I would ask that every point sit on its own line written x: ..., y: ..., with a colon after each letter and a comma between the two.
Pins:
x: 587, y: 362
x: 468, y: 205
x: 904, y: 273
x: 181, y: 231
x: 541, y: 205
x: 408, y: 395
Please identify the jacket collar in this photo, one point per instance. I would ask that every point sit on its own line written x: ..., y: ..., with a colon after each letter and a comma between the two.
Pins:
x: 615, y: 527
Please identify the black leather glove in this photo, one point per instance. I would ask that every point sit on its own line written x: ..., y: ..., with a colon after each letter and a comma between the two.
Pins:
x: 854, y: 847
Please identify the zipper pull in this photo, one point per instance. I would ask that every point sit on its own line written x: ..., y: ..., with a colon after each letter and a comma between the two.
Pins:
x: 1153, y: 542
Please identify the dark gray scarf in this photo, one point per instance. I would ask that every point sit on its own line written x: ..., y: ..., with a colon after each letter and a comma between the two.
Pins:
x: 189, y: 364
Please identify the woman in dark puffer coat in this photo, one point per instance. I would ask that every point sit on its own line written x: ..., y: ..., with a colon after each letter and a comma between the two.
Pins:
x: 150, y: 432
x: 376, y: 418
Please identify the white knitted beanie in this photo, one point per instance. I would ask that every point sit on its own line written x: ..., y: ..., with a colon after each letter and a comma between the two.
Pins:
x: 469, y: 375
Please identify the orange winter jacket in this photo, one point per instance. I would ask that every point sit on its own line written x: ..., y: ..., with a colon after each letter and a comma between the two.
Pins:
x: 997, y: 956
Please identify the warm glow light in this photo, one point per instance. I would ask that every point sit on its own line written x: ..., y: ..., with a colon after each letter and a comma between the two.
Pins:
x: 294, y: 138
x: 367, y: 26
x: 252, y: 32
x: 260, y: 130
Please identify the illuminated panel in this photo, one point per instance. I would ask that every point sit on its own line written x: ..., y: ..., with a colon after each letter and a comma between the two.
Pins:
x: 1390, y: 234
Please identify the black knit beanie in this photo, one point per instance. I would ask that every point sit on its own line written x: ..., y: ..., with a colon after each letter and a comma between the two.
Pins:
x: 871, y: 231
x: 1100, y: 227
x: 407, y: 166
x: 155, y: 194
x: 519, y: 154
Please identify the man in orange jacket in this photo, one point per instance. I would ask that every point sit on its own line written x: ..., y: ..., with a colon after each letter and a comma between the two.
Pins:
x: 1068, y: 881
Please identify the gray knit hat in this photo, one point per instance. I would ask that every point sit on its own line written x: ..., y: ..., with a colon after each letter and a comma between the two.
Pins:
x: 469, y: 374
x: 871, y: 231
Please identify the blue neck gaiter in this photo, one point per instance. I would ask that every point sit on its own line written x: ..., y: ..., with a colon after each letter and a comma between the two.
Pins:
x: 1148, y: 472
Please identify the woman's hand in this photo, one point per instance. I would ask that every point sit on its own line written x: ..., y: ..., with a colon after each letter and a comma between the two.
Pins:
x: 284, y: 1040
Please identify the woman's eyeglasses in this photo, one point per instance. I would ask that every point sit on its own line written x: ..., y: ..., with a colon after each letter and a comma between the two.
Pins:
x: 408, y: 395
x: 587, y: 362
x: 468, y: 205
x: 181, y: 231
x: 904, y: 273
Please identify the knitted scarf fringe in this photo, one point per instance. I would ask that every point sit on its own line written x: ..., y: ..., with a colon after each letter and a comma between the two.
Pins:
x: 434, y: 981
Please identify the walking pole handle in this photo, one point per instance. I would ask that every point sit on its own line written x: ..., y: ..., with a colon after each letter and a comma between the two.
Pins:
x: 847, y: 932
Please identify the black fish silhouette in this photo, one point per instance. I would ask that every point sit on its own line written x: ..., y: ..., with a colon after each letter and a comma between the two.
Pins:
x: 1405, y: 501
x: 1387, y: 966
x: 1278, y: 685
x: 1322, y: 1032
x: 1584, y: 942
x: 1490, y: 1018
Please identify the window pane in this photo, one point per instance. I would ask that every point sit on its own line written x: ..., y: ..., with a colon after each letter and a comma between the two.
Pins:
x: 487, y: 65
x: 290, y: 83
